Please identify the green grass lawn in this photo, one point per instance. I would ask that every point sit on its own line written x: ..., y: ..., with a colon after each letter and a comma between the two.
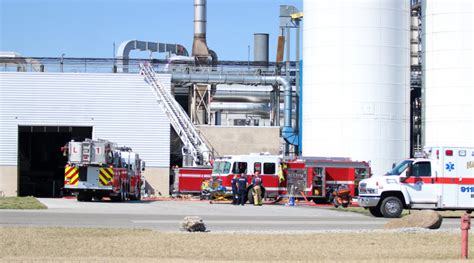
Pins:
x: 27, y: 202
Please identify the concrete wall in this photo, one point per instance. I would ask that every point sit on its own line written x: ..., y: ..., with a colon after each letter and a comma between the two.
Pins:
x: 158, y: 180
x: 8, y: 180
x: 242, y: 139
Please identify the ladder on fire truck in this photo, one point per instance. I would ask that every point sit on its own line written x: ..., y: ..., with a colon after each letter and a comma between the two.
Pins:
x: 194, y: 145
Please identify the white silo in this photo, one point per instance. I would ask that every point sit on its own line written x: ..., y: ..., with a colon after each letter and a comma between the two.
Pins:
x: 356, y: 80
x: 448, y: 89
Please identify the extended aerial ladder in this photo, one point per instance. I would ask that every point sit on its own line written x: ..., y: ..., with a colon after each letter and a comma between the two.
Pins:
x: 194, y: 146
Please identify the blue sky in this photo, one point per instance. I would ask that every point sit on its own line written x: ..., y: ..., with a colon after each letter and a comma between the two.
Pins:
x: 88, y: 28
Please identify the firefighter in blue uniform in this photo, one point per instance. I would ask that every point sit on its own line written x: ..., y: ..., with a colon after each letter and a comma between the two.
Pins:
x: 242, y: 189
x: 235, y: 193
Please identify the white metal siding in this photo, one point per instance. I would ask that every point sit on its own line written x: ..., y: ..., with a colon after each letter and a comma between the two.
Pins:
x: 119, y: 107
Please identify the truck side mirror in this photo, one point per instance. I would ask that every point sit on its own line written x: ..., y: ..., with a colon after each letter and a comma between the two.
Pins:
x: 143, y: 165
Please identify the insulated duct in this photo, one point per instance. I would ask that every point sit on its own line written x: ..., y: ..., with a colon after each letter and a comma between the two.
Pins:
x: 288, y: 132
x: 21, y: 62
x: 241, y: 96
x: 126, y: 47
x: 254, y: 108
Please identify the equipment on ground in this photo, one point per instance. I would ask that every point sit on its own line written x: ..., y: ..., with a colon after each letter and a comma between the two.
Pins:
x: 213, y: 190
x: 341, y: 196
x: 99, y: 168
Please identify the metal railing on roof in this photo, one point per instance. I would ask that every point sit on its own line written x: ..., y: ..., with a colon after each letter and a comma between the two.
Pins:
x: 110, y: 65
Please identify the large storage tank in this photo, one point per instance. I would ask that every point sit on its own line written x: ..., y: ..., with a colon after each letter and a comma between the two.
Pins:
x: 356, y: 80
x: 448, y: 90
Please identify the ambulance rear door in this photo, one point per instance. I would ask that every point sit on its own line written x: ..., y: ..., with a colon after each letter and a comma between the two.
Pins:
x: 465, y: 161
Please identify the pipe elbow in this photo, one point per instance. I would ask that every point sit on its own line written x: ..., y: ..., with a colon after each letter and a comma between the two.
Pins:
x: 290, y: 136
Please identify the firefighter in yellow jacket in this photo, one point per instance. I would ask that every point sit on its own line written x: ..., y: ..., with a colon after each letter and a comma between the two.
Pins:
x: 257, y: 189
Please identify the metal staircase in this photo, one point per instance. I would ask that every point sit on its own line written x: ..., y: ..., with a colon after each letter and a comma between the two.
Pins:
x: 195, y: 151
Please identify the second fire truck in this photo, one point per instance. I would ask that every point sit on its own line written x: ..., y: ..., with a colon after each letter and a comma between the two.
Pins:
x: 314, y: 178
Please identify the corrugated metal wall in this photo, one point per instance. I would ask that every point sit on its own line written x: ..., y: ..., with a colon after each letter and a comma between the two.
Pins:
x: 119, y: 107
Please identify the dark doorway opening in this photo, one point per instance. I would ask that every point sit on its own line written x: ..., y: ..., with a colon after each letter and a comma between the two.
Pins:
x: 40, y: 160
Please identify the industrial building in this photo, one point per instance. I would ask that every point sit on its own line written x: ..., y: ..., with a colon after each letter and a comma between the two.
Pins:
x: 42, y: 111
x: 378, y: 80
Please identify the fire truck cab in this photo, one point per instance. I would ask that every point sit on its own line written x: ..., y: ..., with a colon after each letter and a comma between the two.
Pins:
x: 441, y: 178
x: 267, y: 165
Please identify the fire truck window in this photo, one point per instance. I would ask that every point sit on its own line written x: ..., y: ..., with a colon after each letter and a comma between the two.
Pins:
x: 240, y: 167
x: 226, y: 168
x: 269, y: 168
x: 217, y: 167
x: 421, y: 169
x: 221, y: 167
x: 257, y: 167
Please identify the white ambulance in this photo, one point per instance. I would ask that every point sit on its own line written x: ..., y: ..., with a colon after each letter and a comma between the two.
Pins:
x: 441, y: 179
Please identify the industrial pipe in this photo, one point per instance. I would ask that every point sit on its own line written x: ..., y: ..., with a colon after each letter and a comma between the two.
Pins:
x: 240, y: 96
x: 20, y: 61
x: 124, y: 49
x: 288, y: 132
x: 255, y: 108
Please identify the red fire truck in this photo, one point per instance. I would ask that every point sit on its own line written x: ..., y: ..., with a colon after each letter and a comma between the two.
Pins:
x: 98, y: 168
x: 311, y: 177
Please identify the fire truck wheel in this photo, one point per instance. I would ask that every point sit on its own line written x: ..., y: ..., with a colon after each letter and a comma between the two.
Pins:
x: 123, y: 195
x: 250, y: 196
x: 375, y: 211
x: 83, y: 197
x: 136, y: 194
x: 320, y: 201
x: 391, y: 207
x: 115, y: 198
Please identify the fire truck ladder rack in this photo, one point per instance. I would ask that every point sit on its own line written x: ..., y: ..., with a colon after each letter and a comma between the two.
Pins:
x: 194, y: 145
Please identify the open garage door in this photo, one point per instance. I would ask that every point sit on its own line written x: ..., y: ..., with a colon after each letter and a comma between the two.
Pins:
x: 40, y: 160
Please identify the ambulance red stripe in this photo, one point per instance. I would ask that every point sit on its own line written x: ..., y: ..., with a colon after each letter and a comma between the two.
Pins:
x: 439, y: 180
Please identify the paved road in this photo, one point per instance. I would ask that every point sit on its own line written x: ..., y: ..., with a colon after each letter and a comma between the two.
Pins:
x: 166, y: 216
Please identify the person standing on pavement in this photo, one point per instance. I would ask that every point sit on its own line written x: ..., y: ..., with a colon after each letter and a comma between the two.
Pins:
x: 242, y: 189
x: 257, y: 189
x: 235, y: 194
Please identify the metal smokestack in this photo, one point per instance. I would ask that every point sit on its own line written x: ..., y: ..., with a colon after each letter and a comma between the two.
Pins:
x: 200, y: 49
x: 260, y: 48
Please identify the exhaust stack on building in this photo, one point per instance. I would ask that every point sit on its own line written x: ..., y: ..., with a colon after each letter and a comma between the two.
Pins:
x: 200, y: 49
